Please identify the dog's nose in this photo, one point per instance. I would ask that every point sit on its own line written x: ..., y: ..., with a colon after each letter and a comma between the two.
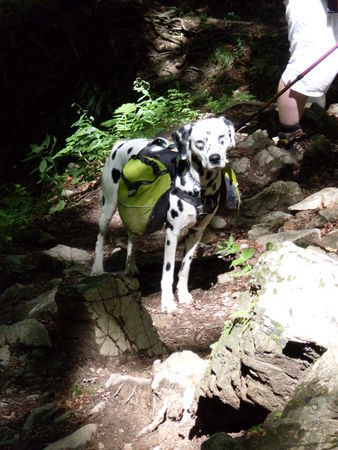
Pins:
x: 215, y: 158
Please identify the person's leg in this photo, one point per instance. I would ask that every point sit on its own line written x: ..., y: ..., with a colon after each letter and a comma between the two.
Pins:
x: 290, y: 107
x: 290, y: 111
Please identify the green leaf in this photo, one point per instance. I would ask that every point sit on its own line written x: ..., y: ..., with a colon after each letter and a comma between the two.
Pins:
x: 43, y: 166
x: 58, y: 207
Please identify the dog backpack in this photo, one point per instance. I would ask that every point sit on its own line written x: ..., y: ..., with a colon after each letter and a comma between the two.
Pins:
x: 144, y: 187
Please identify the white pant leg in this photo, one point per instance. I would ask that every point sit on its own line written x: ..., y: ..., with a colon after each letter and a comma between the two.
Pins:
x: 312, y: 32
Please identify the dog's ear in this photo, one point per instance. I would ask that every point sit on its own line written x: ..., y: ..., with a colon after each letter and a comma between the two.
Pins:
x: 180, y: 137
x: 231, y: 127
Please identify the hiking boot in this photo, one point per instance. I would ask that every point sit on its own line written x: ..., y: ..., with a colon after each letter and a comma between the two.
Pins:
x: 297, y: 143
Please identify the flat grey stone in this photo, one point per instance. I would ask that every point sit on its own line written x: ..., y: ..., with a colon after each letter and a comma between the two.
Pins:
x: 79, y: 439
x: 321, y: 199
x: 28, y: 332
x: 311, y: 236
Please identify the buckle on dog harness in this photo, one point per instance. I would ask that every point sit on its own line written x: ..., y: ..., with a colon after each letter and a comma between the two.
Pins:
x: 203, y: 206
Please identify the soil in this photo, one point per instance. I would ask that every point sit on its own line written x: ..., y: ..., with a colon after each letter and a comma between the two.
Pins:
x: 77, y: 383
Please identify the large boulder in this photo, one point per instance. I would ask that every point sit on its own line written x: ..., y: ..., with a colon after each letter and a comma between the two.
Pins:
x: 104, y: 315
x: 287, y: 321
x: 308, y: 421
x: 277, y: 197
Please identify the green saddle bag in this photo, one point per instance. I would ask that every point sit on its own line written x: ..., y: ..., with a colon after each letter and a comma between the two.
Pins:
x: 144, y: 188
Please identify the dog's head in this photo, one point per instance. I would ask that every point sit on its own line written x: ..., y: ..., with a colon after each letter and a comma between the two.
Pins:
x: 208, y: 140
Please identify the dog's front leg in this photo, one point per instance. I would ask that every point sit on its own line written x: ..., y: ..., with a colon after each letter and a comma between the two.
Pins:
x: 167, y: 301
x: 131, y: 268
x: 190, y: 245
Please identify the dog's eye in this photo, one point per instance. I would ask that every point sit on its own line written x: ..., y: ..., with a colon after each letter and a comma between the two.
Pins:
x: 199, y: 145
x: 221, y: 140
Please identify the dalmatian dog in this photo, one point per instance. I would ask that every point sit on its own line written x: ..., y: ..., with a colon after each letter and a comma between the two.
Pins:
x: 193, y: 199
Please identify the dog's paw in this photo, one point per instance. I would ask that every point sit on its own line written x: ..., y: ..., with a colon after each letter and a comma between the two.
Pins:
x: 184, y: 297
x: 168, y: 305
x: 96, y: 271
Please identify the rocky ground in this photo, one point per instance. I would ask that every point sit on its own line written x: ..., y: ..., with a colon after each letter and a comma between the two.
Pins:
x: 48, y: 393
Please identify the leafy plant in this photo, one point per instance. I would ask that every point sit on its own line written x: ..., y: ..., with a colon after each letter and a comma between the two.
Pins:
x: 149, y: 116
x: 239, y: 48
x: 243, y: 316
x: 43, y: 159
x: 221, y: 56
x: 76, y: 390
x: 241, y: 260
x: 16, y: 210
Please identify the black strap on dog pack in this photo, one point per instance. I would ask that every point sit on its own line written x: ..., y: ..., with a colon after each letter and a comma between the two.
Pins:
x: 332, y: 6
x: 203, y: 206
x: 133, y: 186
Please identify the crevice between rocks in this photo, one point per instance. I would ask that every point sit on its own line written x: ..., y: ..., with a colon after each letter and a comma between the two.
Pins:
x: 213, y: 416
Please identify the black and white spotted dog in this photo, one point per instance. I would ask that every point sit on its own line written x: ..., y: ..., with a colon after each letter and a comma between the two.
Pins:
x: 193, y: 200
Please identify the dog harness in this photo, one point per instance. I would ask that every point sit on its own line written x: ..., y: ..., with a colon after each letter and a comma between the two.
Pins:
x: 146, y: 183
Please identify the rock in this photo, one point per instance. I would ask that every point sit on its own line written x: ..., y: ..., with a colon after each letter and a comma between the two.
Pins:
x: 178, y: 375
x: 262, y: 355
x: 308, y: 421
x: 81, y: 438
x: 266, y: 222
x: 318, y: 121
x: 44, y: 303
x: 321, y: 199
x: 17, y: 269
x: 28, y: 332
x: 330, y: 242
x: 17, y: 291
x: 63, y: 257
x: 292, y: 280
x: 278, y: 196
x: 221, y: 441
x: 301, y: 237
x: 5, y: 354
x: 310, y: 417
x: 218, y: 223
x: 104, y: 315
x: 329, y: 214
x: 241, y: 166
x: 98, y: 408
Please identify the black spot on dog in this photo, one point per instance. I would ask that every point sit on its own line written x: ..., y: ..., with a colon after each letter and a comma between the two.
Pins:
x: 168, y: 242
x: 129, y: 150
x: 180, y: 205
x: 200, y: 170
x: 103, y: 200
x: 115, y: 174
x: 120, y: 146
x: 183, y: 181
x: 113, y: 155
x: 173, y: 213
x: 197, y: 163
x: 195, y: 160
x: 181, y: 167
x: 167, y: 267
